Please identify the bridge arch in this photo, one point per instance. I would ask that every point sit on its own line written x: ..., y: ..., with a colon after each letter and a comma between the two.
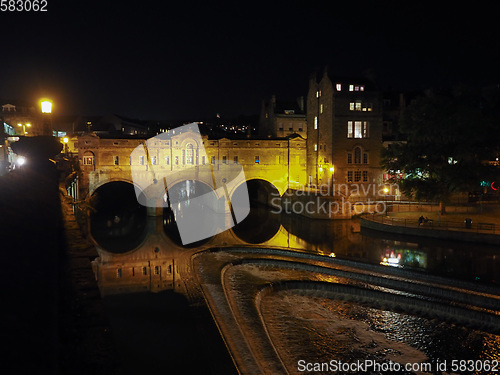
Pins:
x: 117, y: 222
x: 259, y: 191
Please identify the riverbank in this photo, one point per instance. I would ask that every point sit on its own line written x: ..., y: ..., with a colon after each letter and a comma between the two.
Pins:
x: 479, y: 227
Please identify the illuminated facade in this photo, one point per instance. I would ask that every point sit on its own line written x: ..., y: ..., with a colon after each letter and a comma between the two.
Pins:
x: 280, y: 162
x: 344, y: 131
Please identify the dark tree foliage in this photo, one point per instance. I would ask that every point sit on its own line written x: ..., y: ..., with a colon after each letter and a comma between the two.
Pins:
x: 449, y: 136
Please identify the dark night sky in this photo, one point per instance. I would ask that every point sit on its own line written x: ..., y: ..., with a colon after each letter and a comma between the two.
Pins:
x: 167, y: 60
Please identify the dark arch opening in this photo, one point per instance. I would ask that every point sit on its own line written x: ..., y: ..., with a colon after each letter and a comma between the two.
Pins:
x: 264, y: 219
x: 117, y: 221
x: 189, y: 204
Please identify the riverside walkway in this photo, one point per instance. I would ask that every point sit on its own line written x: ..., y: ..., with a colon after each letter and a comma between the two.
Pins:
x: 469, y: 227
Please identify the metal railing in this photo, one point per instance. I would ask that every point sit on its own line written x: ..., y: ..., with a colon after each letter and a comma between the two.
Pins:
x: 465, y: 226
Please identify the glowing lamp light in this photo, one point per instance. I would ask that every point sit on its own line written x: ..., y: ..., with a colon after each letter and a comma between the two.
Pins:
x: 386, y: 190
x: 332, y: 169
x: 65, y: 140
x: 46, y: 106
x: 21, y: 160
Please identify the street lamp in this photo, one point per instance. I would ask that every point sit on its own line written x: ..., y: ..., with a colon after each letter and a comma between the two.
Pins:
x: 24, y: 127
x: 46, y: 106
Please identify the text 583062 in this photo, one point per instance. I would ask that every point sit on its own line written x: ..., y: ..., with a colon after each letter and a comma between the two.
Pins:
x: 23, y: 5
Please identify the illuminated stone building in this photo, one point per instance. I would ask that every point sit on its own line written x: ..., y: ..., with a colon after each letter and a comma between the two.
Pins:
x: 283, y: 118
x: 344, y: 131
x: 277, y: 163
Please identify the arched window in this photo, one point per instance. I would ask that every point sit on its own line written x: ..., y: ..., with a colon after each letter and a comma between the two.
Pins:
x: 189, y: 154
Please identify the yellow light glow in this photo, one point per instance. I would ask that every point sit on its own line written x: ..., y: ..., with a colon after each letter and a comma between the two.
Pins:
x: 386, y: 190
x: 332, y: 169
x: 28, y: 124
x: 46, y: 106
x: 65, y: 140
x: 321, y: 169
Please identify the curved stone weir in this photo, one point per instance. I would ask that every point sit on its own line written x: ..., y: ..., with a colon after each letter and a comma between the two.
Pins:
x: 480, y: 303
x: 396, y: 302
x: 460, y: 285
x: 235, y: 280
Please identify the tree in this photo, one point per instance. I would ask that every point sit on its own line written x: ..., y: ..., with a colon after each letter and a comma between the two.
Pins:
x: 449, y: 135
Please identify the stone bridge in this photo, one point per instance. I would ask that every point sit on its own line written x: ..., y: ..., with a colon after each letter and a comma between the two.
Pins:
x: 156, y: 165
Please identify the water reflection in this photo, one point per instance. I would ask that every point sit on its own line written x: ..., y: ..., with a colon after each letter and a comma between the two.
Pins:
x: 342, y: 238
x: 117, y: 220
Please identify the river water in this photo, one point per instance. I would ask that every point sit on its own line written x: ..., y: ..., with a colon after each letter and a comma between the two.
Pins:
x: 308, y: 327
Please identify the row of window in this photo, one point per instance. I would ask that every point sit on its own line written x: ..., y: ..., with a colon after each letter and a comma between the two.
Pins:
x: 357, y: 176
x: 355, y: 129
x: 144, y: 271
x: 355, y: 157
x: 350, y: 87
x: 89, y: 160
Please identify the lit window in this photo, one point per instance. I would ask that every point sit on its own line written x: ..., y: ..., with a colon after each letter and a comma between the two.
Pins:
x: 257, y: 160
x: 357, y: 129
x: 88, y: 160
x: 351, y: 87
x: 321, y: 108
x: 315, y: 122
x: 315, y: 147
x: 339, y: 87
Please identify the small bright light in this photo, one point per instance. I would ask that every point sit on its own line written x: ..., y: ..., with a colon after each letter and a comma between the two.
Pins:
x: 28, y: 124
x: 321, y: 169
x: 332, y: 169
x: 65, y: 140
x: 46, y: 106
x: 332, y: 255
x: 386, y: 190
x: 21, y: 160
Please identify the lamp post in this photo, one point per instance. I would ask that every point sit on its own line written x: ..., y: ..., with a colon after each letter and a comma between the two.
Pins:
x: 24, y: 127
